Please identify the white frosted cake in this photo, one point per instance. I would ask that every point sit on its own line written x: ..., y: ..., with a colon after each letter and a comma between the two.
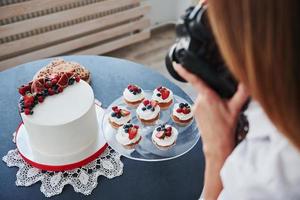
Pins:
x: 61, y: 127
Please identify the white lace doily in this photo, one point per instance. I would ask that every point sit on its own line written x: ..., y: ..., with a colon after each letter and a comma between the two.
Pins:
x: 83, y: 179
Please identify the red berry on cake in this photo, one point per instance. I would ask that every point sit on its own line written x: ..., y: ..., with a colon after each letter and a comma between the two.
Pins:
x: 182, y: 114
x: 60, y: 89
x: 119, y: 116
x: 48, y: 84
x: 77, y: 79
x: 133, y: 95
x: 128, y: 135
x: 148, y: 112
x: 164, y: 97
x: 164, y: 136
x: 51, y: 91
x: 146, y: 102
x: 41, y: 99
x: 27, y: 111
x: 24, y: 89
x: 54, y: 81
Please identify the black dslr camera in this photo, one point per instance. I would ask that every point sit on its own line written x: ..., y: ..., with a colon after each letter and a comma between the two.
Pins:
x: 196, y: 50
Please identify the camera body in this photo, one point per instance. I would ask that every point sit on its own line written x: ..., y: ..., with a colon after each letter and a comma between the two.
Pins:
x: 196, y: 50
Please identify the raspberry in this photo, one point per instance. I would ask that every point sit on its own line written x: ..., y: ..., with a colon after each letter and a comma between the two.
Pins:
x: 27, y: 111
x: 77, y: 79
x: 51, y: 91
x: 48, y: 84
x: 114, y: 108
x: 146, y: 102
x: 60, y: 89
x: 168, y: 133
x: 53, y: 81
x: 41, y: 99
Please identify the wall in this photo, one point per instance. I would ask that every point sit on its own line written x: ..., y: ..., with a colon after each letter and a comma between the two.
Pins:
x: 166, y: 11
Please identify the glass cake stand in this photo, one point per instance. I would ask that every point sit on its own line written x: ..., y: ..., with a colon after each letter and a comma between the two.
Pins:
x: 146, y: 150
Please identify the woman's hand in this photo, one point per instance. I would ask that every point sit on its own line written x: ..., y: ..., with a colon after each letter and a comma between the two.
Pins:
x: 216, y: 118
x: 217, y: 121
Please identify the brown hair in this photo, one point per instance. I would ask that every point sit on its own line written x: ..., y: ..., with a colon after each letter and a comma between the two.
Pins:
x: 260, y: 42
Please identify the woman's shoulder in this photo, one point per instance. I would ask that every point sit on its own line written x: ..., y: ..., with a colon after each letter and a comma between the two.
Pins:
x: 265, y: 163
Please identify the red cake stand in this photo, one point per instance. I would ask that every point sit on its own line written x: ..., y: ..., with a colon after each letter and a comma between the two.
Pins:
x: 26, y: 153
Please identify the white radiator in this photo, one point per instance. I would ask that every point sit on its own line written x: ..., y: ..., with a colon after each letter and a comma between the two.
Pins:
x: 34, y: 29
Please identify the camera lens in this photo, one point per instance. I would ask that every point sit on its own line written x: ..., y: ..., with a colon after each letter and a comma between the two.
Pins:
x: 170, y: 57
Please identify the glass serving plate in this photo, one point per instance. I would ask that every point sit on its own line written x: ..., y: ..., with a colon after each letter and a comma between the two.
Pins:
x: 146, y: 151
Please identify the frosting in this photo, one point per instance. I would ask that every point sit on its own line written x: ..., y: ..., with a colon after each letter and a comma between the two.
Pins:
x: 122, y: 120
x: 181, y: 115
x: 147, y: 114
x: 123, y: 138
x: 166, y: 141
x: 129, y: 96
x: 159, y: 98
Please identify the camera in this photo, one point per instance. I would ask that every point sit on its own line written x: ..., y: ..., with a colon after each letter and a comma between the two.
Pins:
x: 196, y: 50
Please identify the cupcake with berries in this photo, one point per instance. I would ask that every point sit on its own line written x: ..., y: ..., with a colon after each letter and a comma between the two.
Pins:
x: 148, y: 112
x: 164, y: 136
x: 182, y: 114
x: 129, y: 135
x: 163, y: 96
x: 119, y: 116
x: 133, y: 95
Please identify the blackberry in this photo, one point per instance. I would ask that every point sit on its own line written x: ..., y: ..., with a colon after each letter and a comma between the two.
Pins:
x: 71, y: 81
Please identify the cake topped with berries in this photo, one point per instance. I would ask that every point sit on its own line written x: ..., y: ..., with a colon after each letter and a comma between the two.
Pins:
x: 163, y: 96
x: 59, y: 116
x: 133, y: 95
x: 119, y: 116
x: 164, y: 136
x: 182, y: 113
x: 128, y: 135
x: 36, y: 91
x: 148, y: 111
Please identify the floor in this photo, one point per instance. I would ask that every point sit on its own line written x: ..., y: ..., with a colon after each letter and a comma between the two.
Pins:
x: 152, y: 53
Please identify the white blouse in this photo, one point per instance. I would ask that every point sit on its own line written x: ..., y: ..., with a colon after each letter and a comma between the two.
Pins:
x: 263, y: 166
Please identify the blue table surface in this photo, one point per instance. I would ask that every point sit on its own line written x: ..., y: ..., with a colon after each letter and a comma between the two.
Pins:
x: 180, y: 178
